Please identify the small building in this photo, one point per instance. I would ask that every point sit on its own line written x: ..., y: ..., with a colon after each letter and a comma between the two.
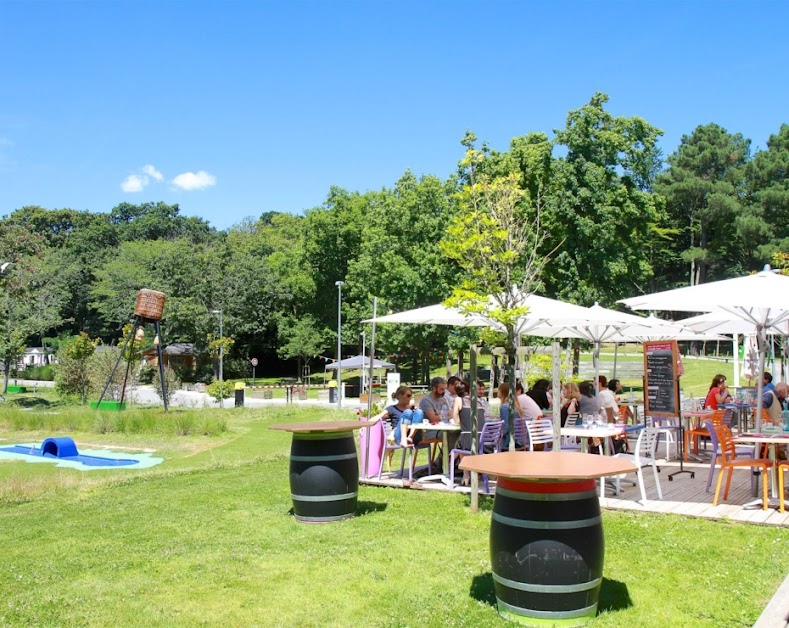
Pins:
x: 35, y: 356
x: 179, y: 355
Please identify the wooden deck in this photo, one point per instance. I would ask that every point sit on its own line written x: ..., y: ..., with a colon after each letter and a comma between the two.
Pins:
x: 682, y: 496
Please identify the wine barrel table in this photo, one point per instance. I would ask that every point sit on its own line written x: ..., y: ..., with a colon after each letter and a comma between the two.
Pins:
x: 546, y: 535
x: 324, y: 469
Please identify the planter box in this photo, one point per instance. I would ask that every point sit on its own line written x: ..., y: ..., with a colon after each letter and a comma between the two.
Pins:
x: 364, y: 398
x: 268, y: 393
x: 17, y: 389
x: 108, y: 405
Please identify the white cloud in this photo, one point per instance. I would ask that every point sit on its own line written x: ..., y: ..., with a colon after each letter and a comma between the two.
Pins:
x: 194, y: 180
x: 134, y: 183
x: 152, y: 172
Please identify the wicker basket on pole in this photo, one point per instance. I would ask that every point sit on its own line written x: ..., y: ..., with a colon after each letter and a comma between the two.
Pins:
x: 150, y: 305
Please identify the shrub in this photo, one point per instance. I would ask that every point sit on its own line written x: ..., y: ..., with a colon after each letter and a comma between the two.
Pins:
x: 40, y: 373
x: 217, y: 388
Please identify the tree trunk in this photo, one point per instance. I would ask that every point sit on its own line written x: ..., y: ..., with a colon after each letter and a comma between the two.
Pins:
x: 460, y: 363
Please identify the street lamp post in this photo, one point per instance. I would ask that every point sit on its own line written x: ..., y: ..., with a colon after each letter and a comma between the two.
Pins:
x: 364, y: 364
x: 339, y: 285
x: 6, y: 365
x: 221, y: 359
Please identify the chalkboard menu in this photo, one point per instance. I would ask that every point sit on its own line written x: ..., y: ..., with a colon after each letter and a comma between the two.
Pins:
x: 661, y: 392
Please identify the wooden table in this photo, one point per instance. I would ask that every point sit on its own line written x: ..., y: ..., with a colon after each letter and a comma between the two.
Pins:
x: 772, y: 439
x: 445, y: 429
x: 585, y: 433
x: 546, y: 537
x: 324, y: 469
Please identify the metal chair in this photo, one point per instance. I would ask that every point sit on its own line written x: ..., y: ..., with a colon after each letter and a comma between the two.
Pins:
x: 488, y: 441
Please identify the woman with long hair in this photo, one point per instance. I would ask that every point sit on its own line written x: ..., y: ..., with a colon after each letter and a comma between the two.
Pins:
x: 718, y: 392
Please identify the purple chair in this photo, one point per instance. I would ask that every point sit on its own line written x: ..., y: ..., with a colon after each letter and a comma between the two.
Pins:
x: 741, y: 450
x: 487, y: 443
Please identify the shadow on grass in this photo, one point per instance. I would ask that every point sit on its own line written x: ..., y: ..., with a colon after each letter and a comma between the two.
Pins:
x: 362, y: 508
x: 485, y: 502
x: 482, y: 589
x: 367, y: 508
x: 28, y: 402
x: 614, y: 595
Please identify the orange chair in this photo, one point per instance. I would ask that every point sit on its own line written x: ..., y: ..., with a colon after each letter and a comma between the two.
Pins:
x: 698, y: 432
x: 728, y: 460
x: 783, y: 467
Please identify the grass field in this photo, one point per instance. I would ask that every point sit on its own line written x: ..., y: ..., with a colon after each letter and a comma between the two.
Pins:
x: 207, y: 538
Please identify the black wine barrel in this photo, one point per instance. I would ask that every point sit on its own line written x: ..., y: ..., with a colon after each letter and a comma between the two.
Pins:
x: 324, y: 476
x: 547, y: 550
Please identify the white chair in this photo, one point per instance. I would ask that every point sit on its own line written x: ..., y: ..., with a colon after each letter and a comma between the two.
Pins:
x: 540, y: 433
x: 571, y: 442
x: 669, y: 428
x: 644, y: 456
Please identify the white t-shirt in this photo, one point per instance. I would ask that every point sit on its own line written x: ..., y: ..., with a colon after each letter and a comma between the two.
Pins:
x: 607, y: 399
x: 529, y: 407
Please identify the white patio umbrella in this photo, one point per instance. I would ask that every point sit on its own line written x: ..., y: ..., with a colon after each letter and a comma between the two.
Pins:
x: 432, y: 315
x: 540, y: 311
x: 761, y: 299
x: 598, y: 325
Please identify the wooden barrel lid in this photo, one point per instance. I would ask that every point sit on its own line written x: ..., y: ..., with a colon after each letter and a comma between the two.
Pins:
x: 536, y: 465
x: 323, y: 426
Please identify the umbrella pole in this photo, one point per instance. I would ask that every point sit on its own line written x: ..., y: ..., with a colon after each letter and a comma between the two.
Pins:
x: 370, y: 392
x: 596, y: 359
x: 557, y: 398
x: 472, y: 364
x: 761, y: 340
x: 616, y: 351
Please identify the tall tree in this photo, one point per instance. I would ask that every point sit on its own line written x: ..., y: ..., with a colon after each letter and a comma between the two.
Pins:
x: 400, y: 262
x: 603, y: 212
x: 25, y: 312
x: 763, y: 224
x: 703, y: 187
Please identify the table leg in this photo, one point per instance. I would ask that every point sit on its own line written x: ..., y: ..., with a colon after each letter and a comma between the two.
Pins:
x: 774, y: 471
x: 445, y: 457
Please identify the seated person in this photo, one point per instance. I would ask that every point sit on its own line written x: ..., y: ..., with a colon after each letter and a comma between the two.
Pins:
x: 525, y: 406
x: 718, y: 393
x: 402, y: 416
x: 587, y: 404
x: 606, y: 401
x: 539, y: 393
x: 570, y: 401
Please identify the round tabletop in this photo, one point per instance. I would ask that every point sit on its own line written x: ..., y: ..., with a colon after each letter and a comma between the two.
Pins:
x: 323, y: 426
x: 545, y: 465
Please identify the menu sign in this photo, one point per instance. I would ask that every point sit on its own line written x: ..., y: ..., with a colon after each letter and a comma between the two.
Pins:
x: 661, y: 394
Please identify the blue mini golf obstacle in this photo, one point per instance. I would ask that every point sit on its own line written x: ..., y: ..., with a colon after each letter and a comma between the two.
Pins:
x: 64, y: 448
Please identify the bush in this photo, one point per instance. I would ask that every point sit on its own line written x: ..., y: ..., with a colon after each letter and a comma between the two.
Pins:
x: 217, y: 388
x: 40, y: 373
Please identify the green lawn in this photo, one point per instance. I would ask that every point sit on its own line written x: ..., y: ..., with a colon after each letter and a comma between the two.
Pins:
x: 207, y: 538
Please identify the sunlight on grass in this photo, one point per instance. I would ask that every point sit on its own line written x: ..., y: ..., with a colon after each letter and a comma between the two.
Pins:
x: 207, y: 537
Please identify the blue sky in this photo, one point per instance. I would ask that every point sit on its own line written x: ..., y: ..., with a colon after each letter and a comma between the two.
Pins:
x: 234, y: 108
